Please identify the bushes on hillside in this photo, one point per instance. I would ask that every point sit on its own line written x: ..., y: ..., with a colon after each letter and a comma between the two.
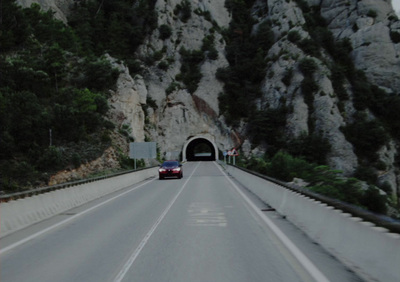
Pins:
x: 51, y: 96
x: 367, y: 136
x: 321, y: 179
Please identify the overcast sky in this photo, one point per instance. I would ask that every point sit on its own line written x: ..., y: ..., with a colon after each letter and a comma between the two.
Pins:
x: 396, y: 6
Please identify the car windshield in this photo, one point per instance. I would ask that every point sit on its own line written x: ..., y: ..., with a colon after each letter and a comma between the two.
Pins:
x: 170, y: 164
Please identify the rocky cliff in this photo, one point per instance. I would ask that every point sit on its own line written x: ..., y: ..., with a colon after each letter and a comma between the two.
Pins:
x: 177, y: 114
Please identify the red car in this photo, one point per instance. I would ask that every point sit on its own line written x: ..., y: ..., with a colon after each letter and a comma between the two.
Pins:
x: 170, y: 169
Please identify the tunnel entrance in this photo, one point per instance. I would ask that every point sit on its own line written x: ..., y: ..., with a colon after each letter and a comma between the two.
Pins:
x: 200, y: 149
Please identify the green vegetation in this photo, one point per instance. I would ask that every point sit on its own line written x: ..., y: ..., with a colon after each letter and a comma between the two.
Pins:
x: 320, y: 178
x: 395, y: 36
x: 190, y: 70
x: 118, y: 26
x: 305, y: 156
x: 308, y: 86
x: 246, y: 56
x: 209, y: 48
x: 268, y: 126
x: 367, y: 136
x: 165, y: 31
x: 246, y: 51
x: 55, y: 82
x: 183, y: 11
x: 190, y: 74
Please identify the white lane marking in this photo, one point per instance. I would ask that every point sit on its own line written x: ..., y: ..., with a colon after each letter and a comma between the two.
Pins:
x: 206, y: 214
x: 121, y: 275
x: 301, y: 258
x: 33, y: 236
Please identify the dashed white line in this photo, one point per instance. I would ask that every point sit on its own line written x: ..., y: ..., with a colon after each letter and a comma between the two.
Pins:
x: 121, y: 275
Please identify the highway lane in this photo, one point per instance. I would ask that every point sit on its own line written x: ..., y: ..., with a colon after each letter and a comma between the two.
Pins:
x: 199, y: 228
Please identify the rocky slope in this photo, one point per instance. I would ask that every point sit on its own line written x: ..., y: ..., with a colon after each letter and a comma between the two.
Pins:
x: 174, y: 117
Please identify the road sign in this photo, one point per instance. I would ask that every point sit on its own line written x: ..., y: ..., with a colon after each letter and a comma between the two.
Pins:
x: 143, y: 150
x: 234, y: 152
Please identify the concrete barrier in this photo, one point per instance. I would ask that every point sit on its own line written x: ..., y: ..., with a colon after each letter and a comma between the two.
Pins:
x: 18, y: 214
x: 370, y: 251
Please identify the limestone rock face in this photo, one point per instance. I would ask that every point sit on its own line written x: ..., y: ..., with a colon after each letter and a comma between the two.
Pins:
x: 157, y: 106
x: 181, y: 115
x: 60, y: 7
x: 368, y: 25
x: 127, y: 101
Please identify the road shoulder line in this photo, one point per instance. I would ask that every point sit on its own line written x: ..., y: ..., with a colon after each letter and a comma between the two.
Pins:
x: 299, y: 255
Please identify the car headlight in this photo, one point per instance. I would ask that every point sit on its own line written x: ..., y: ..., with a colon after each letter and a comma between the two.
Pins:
x: 176, y: 169
x: 161, y: 170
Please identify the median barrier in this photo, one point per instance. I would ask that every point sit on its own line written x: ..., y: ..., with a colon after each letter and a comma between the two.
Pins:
x: 20, y: 213
x: 371, y: 251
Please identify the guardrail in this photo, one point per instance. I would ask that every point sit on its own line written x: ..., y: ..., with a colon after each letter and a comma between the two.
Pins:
x: 42, y: 190
x: 21, y: 211
x: 389, y: 223
x: 367, y: 243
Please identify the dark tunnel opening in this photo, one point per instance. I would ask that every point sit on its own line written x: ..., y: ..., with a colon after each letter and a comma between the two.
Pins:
x: 200, y: 149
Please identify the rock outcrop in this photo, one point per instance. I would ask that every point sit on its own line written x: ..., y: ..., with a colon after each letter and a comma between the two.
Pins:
x: 176, y: 115
x: 59, y: 7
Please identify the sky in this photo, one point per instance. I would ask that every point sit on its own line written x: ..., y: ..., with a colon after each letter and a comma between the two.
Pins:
x: 396, y: 6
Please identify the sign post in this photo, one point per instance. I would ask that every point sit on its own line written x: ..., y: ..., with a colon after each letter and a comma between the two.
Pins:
x: 225, y: 153
x: 234, y: 153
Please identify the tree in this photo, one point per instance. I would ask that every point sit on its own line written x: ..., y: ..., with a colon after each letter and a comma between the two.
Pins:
x: 165, y: 31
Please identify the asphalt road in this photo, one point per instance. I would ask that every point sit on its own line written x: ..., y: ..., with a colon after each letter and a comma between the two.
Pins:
x: 203, y: 227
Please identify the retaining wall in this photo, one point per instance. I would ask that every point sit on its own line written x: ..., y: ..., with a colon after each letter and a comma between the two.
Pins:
x: 370, y: 251
x: 15, y: 215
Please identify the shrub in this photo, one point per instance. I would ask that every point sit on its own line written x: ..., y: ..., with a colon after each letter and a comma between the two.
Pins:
x: 372, y: 14
x: 151, y: 102
x: 163, y: 65
x: 366, y: 173
x: 264, y: 37
x: 321, y: 179
x: 285, y: 167
x: 310, y: 47
x: 366, y: 136
x: 165, y: 31
x: 52, y: 159
x: 287, y: 78
x: 331, y: 185
x: 308, y: 88
x: 308, y: 66
x: 395, y: 36
x: 171, y: 88
x: 268, y: 126
x: 313, y: 148
x: 76, y: 160
x: 294, y: 36
x: 183, y: 11
x: 99, y: 75
x: 190, y: 70
x: 338, y: 78
x: 374, y: 201
x: 209, y: 48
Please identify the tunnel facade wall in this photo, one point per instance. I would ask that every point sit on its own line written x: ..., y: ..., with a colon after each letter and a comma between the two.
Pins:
x: 188, y: 155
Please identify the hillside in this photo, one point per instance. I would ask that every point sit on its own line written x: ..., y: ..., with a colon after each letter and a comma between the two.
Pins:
x: 318, y: 80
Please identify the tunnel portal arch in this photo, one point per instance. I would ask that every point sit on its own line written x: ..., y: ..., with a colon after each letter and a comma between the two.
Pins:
x: 189, y: 150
